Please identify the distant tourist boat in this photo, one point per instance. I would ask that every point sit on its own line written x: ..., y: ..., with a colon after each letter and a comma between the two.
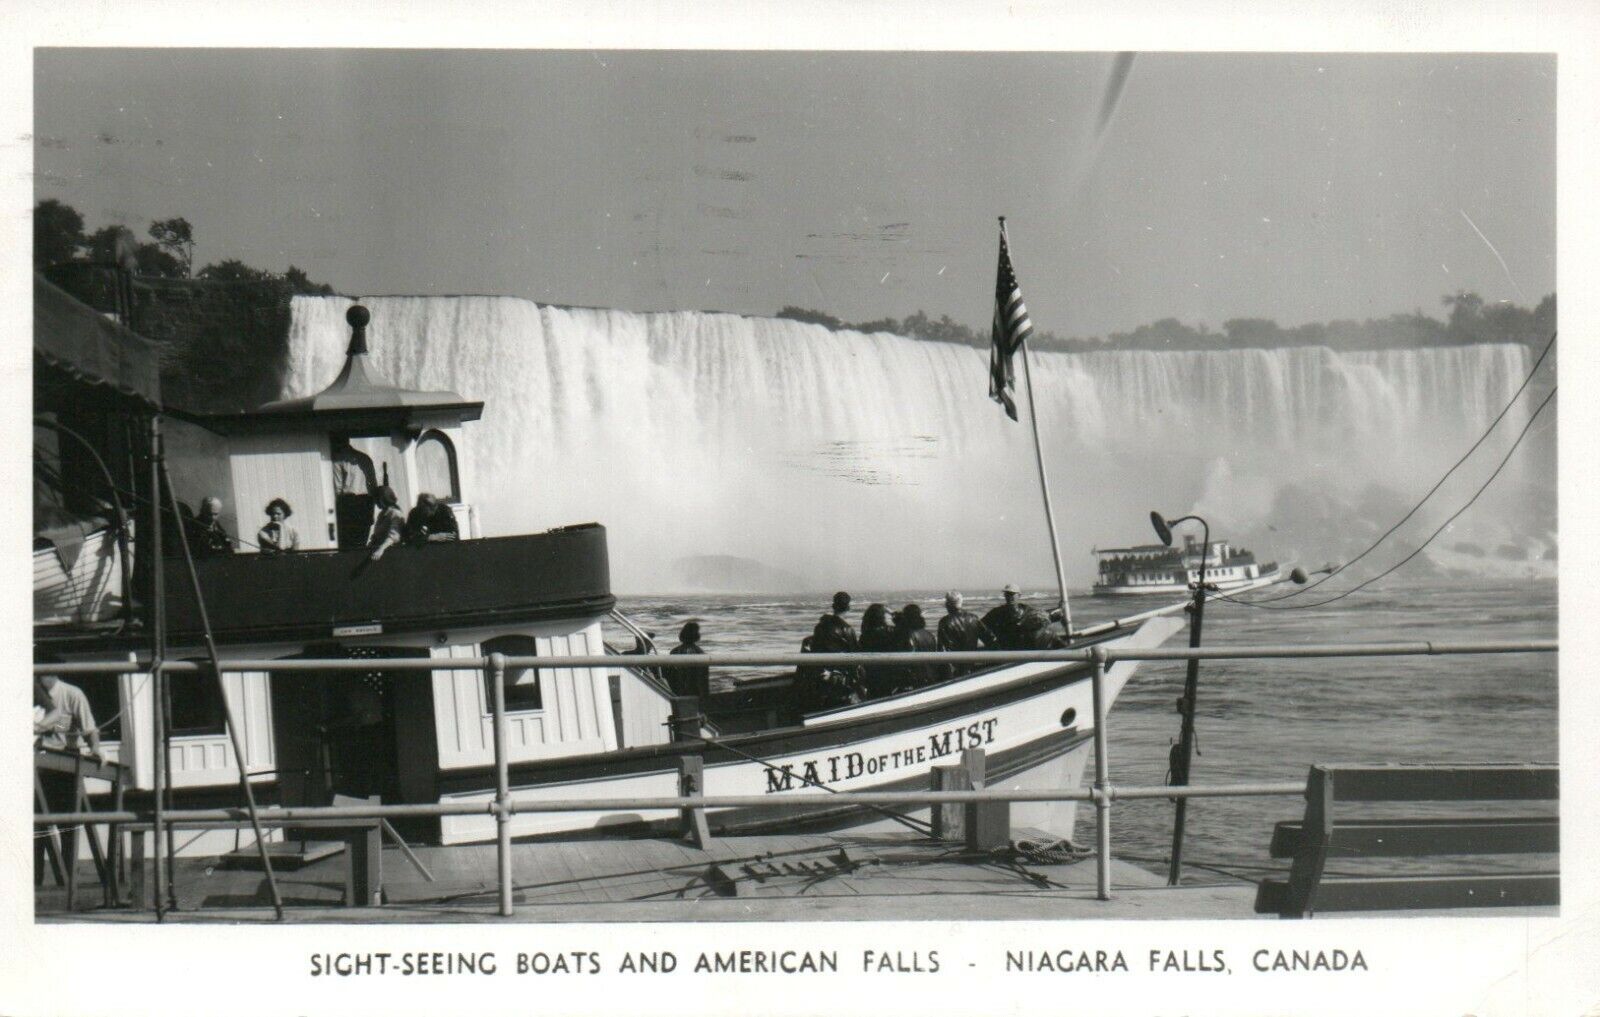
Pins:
x: 1158, y: 569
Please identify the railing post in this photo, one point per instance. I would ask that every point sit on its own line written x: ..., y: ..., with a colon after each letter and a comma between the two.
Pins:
x: 1102, y: 785
x: 502, y: 779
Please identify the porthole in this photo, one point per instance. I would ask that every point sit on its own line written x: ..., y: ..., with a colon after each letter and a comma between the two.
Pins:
x: 1069, y: 717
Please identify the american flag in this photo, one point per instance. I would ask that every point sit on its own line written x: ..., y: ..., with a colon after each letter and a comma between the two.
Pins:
x: 1011, y: 327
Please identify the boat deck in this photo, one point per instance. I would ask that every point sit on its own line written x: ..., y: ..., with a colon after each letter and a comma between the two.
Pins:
x: 865, y: 877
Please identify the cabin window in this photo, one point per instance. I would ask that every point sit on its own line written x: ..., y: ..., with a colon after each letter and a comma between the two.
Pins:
x: 197, y: 706
x: 522, y: 683
x: 436, y: 467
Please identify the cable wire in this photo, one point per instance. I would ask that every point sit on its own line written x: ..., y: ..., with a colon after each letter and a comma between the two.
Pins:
x: 1431, y: 491
x: 1442, y: 527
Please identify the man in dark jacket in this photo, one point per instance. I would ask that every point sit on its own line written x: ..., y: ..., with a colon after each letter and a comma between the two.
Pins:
x: 961, y: 631
x: 834, y: 685
x: 1005, y: 622
x: 207, y: 538
x: 912, y: 636
x: 689, y: 681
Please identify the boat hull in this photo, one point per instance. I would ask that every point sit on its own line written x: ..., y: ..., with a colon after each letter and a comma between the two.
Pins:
x: 1035, y: 723
x: 1182, y: 589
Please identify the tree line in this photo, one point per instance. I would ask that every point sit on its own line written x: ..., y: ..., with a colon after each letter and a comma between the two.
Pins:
x: 221, y: 331
x: 1469, y: 319
x: 59, y: 239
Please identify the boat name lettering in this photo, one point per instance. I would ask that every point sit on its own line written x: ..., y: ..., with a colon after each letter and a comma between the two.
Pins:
x: 850, y: 765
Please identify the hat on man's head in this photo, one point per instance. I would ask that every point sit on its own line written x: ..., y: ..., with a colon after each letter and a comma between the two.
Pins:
x: 1010, y: 588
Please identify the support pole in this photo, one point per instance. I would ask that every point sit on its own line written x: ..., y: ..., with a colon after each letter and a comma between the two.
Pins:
x: 166, y: 755
x: 227, y: 706
x: 1102, y: 783
x: 1186, y: 736
x: 158, y: 633
x: 1044, y: 481
x: 502, y: 780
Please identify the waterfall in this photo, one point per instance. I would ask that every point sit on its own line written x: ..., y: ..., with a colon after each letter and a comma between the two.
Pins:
x: 877, y: 461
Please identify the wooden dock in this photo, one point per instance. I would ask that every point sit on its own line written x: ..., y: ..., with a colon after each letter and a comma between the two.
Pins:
x: 864, y: 877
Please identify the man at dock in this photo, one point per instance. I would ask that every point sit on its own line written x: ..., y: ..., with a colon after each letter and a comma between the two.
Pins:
x: 69, y: 722
x: 961, y: 631
x: 61, y: 724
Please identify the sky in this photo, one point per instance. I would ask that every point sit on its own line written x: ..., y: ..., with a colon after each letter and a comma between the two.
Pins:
x: 1293, y: 187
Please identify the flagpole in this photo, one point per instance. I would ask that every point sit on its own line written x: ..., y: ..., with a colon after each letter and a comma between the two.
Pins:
x: 1044, y: 480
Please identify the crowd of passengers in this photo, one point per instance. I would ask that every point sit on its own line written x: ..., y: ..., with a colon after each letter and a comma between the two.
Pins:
x: 430, y: 520
x: 1012, y: 625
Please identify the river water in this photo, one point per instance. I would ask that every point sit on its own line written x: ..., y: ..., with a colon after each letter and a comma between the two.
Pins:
x: 1261, y: 720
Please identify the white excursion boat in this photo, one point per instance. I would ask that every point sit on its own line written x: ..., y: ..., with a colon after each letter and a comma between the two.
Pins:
x: 1158, y: 569
x: 421, y: 737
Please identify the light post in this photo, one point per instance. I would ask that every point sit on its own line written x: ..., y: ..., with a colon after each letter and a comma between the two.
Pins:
x: 1183, y: 752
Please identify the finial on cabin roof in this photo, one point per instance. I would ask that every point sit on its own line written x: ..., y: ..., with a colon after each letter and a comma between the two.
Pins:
x: 358, y: 317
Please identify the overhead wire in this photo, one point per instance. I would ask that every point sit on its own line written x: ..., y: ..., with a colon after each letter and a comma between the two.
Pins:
x: 1300, y: 591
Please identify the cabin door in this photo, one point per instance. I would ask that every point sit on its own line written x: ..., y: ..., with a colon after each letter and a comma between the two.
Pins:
x: 336, y: 731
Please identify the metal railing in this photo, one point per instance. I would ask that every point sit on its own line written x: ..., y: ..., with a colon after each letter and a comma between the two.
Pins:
x: 502, y: 807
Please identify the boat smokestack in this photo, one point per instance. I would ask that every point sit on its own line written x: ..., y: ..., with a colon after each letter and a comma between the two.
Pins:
x: 358, y: 317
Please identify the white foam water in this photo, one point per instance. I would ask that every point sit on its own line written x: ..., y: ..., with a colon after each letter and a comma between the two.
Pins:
x: 845, y: 458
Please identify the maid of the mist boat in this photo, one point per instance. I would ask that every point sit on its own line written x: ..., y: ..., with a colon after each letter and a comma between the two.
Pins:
x: 1147, y: 569
x: 427, y: 737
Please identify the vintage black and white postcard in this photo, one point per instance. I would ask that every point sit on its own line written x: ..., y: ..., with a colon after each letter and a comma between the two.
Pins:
x: 813, y: 511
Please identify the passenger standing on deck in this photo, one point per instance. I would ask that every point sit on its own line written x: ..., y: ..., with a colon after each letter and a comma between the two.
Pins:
x: 832, y: 634
x: 911, y: 635
x: 207, y: 538
x: 877, y: 636
x: 277, y: 535
x: 961, y: 631
x: 354, y: 484
x: 391, y: 524
x: 694, y: 680
x: 1004, y: 623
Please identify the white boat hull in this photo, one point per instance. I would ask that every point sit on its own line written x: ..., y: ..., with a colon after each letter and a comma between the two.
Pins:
x: 1035, y: 723
x: 1182, y: 589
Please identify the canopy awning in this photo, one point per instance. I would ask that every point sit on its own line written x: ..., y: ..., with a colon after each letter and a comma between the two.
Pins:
x: 75, y: 338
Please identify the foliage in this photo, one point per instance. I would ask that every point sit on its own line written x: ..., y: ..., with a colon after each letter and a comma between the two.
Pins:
x: 223, y: 333
x: 1470, y: 320
x: 233, y: 270
x: 57, y: 232
x: 176, y: 238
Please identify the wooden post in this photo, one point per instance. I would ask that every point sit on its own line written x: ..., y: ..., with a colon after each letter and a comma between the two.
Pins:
x: 502, y: 779
x: 52, y: 845
x: 74, y: 836
x: 116, y: 838
x: 950, y: 821
x: 691, y: 781
x: 158, y: 649
x: 1102, y: 785
x: 686, y: 719
x: 988, y: 824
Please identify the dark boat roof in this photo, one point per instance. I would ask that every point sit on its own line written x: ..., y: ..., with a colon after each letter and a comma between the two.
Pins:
x: 88, y: 347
